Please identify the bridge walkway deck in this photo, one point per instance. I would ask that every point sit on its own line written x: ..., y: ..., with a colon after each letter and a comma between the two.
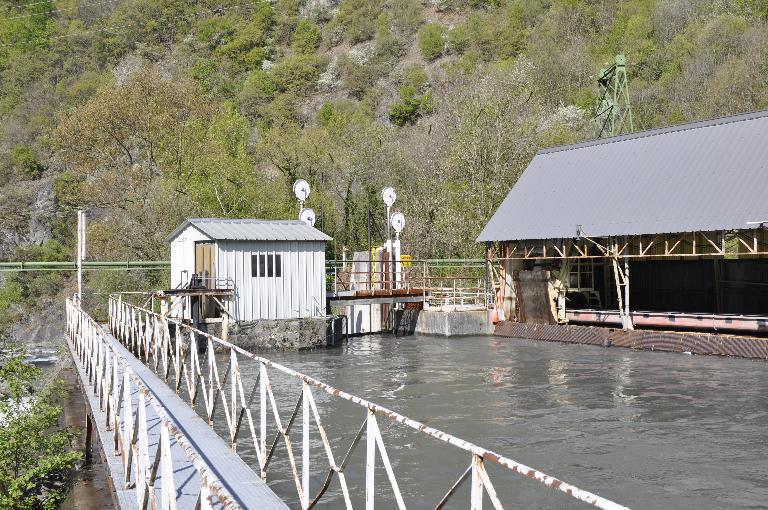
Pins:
x: 243, y: 485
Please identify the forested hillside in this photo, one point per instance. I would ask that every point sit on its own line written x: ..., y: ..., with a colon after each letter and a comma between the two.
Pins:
x: 147, y: 111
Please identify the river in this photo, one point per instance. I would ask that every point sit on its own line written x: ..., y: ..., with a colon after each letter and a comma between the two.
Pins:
x: 645, y: 429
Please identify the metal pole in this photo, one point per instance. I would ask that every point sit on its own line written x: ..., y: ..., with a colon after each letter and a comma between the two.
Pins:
x: 389, y: 235
x: 370, y: 461
x: 389, y: 249
x: 395, y: 259
x: 626, y: 295
x: 617, y: 279
x: 476, y: 492
x: 79, y: 259
x: 263, y: 416
x: 81, y: 252
x: 305, y: 445
x: 488, y: 292
x: 370, y: 257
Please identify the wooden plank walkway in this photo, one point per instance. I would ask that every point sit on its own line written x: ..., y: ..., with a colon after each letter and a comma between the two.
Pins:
x: 245, y: 487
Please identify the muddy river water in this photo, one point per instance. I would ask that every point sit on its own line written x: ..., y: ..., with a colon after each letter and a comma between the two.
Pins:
x: 647, y: 430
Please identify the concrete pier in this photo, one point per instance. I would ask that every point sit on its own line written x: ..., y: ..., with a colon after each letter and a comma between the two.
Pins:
x: 444, y: 322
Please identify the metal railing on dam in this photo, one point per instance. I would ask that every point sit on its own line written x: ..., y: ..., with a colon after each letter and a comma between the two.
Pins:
x: 186, y: 359
x: 148, y: 438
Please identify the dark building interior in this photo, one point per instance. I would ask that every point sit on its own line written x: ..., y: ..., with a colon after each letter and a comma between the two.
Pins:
x: 700, y: 286
x: 717, y: 286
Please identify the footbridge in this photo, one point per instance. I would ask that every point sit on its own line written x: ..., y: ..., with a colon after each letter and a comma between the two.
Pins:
x: 177, y: 412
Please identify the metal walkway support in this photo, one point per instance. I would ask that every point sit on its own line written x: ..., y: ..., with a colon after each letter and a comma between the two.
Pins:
x: 186, y: 358
x: 160, y: 453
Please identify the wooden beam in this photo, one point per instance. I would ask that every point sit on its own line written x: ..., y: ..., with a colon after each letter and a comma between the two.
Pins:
x: 559, y: 252
x: 674, y: 246
x: 747, y: 246
x: 717, y: 249
x: 643, y: 252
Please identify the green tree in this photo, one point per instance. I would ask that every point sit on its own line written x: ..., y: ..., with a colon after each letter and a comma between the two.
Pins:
x: 26, y: 163
x: 37, y: 454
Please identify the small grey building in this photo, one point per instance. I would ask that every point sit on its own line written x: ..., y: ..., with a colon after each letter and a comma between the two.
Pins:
x: 275, y: 269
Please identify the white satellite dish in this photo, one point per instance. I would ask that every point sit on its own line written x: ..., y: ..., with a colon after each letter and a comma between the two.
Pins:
x: 398, y: 222
x: 301, y: 189
x: 389, y: 196
x: 307, y: 216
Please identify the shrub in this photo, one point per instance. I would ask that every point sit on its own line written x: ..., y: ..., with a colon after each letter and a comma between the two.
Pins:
x: 325, y: 114
x: 242, y: 41
x: 411, y: 106
x: 258, y: 90
x: 337, y: 114
x: 287, y: 18
x: 432, y: 40
x: 13, y: 304
x: 458, y: 38
x: 281, y: 112
x: 357, y: 78
x: 212, y: 79
x: 246, y: 47
x: 49, y: 251
x: 24, y: 161
x: 215, y: 32
x: 78, y: 90
x: 67, y: 187
x: 296, y: 73
x: 306, y: 38
x: 416, y: 76
x: 387, y: 48
x: 407, y: 15
x: 359, y: 19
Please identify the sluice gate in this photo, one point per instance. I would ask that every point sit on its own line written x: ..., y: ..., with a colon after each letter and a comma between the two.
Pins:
x: 153, y: 382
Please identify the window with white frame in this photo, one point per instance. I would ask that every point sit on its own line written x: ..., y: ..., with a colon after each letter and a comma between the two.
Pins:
x: 269, y: 265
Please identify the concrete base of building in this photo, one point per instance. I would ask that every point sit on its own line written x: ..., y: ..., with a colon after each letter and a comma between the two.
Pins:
x: 443, y: 322
x: 668, y: 341
x: 286, y: 334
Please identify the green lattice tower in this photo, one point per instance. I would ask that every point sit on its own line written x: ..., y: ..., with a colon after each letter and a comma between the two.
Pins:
x: 613, y: 113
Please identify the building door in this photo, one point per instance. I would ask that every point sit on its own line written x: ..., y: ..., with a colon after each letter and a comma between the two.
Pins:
x: 205, y: 270
x: 205, y: 263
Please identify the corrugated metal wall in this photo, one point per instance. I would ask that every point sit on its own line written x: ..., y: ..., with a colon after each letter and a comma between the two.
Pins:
x: 298, y: 292
x: 183, y: 259
x: 183, y: 254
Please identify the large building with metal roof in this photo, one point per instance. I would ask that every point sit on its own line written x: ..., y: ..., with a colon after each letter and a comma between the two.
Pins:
x: 248, y: 269
x: 682, y: 209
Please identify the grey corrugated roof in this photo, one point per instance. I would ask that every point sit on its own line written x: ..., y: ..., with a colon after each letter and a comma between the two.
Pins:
x: 252, y: 230
x: 702, y: 176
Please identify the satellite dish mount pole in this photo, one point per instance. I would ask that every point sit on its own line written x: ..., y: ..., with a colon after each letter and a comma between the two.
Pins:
x: 389, y: 196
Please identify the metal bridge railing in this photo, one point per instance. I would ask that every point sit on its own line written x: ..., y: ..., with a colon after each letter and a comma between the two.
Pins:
x: 443, y: 283
x: 178, y: 360
x: 113, y: 381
